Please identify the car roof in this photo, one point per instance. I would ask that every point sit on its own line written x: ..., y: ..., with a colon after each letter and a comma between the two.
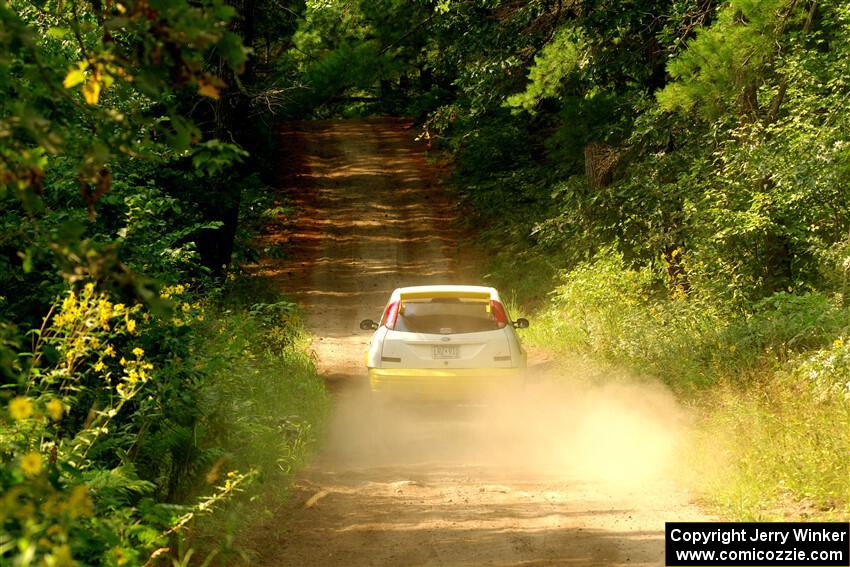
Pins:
x: 445, y: 289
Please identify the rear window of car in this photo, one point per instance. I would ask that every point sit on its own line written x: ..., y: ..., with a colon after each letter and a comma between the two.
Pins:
x: 446, y: 316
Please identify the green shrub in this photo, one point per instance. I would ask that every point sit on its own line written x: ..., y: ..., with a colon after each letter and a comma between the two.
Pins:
x: 120, y: 427
x: 619, y: 314
x: 626, y: 315
x: 828, y: 371
x: 784, y: 323
x: 774, y: 396
x: 69, y: 483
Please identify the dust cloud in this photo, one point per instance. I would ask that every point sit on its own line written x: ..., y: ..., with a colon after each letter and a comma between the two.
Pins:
x: 621, y: 433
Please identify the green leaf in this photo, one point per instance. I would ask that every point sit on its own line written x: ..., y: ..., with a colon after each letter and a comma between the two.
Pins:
x: 224, y: 12
x: 26, y: 258
x: 57, y: 33
x: 232, y: 50
x: 182, y: 133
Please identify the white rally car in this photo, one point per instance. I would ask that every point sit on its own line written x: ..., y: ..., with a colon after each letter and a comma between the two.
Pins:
x: 444, y: 341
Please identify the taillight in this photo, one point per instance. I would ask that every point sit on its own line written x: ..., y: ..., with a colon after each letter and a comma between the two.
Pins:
x: 499, y: 313
x: 390, y: 315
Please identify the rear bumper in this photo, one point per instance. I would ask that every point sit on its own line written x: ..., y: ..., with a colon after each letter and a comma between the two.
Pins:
x: 439, y: 384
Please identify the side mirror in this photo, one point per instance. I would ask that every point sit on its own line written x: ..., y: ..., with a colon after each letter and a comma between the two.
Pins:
x: 368, y: 325
x: 521, y: 323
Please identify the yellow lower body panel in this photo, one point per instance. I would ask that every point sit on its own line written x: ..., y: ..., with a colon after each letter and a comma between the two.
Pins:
x: 438, y: 384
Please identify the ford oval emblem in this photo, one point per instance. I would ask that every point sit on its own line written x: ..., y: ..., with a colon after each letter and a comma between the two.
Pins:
x: 446, y: 339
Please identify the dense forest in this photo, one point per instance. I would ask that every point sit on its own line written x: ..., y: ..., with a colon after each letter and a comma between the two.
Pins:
x: 665, y: 184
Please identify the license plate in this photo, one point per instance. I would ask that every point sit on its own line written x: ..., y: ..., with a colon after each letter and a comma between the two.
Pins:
x: 444, y: 351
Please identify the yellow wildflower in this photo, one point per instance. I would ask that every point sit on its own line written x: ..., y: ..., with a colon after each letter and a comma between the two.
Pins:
x: 123, y: 361
x: 79, y: 503
x: 98, y: 366
x: 179, y: 289
x: 61, y: 556
x: 119, y: 307
x: 109, y: 350
x: 119, y: 556
x: 138, y: 352
x: 131, y: 325
x: 31, y: 464
x: 228, y: 485
x: 837, y: 343
x: 20, y: 408
x: 105, y: 312
x: 185, y: 307
x: 89, y: 287
x: 70, y: 302
x: 132, y: 376
x: 200, y: 317
x: 55, y: 409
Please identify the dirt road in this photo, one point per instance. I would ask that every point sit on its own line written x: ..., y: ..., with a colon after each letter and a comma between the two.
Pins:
x: 569, y: 474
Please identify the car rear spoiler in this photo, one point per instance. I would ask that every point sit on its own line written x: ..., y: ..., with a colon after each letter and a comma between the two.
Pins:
x: 477, y: 295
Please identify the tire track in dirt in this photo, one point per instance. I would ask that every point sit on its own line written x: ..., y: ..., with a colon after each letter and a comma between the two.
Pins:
x: 493, y: 485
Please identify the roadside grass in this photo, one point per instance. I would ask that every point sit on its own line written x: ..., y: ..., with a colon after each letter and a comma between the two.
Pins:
x: 773, y: 452
x: 770, y: 388
x: 267, y: 406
